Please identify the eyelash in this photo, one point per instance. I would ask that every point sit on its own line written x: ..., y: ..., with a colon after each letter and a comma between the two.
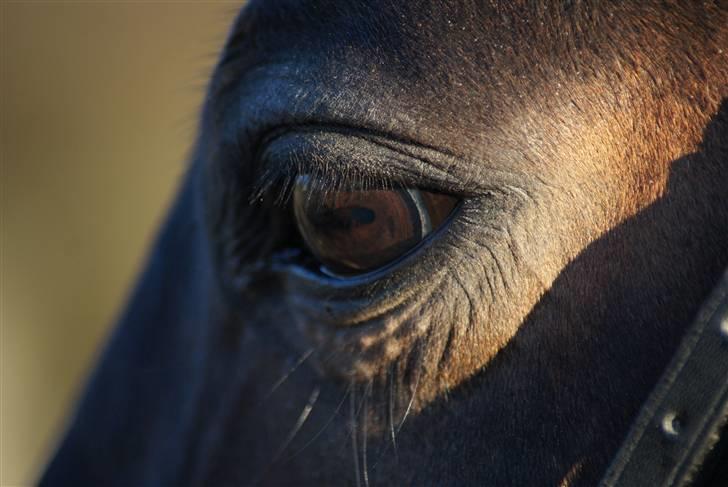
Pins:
x: 340, y: 159
x: 277, y: 182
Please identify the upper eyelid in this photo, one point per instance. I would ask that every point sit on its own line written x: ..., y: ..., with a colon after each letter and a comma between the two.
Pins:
x: 341, y: 156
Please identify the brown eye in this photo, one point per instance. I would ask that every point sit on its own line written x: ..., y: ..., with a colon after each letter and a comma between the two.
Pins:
x: 351, y: 232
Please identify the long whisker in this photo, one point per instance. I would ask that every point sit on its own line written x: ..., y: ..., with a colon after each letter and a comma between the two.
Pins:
x: 288, y: 373
x: 395, y: 431
x: 367, y: 393
x: 299, y: 423
x: 384, y: 448
x: 410, y: 403
x: 354, y: 446
x: 305, y: 412
x: 323, y: 428
x: 420, y: 373
x: 392, y: 385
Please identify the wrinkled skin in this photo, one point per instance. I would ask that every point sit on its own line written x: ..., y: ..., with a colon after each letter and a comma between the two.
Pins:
x: 590, y: 146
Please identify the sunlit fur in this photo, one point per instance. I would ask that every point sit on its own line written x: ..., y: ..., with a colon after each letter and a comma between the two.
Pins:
x: 589, y: 142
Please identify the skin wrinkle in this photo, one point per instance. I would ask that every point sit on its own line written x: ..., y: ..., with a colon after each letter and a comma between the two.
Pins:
x: 616, y: 137
x: 501, y: 273
x: 359, y: 344
x: 589, y: 139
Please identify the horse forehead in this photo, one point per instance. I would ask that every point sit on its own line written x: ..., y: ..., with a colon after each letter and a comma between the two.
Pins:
x: 484, y: 80
x: 443, y: 46
x: 458, y: 69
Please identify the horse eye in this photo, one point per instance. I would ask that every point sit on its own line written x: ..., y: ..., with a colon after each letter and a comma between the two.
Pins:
x: 352, y: 232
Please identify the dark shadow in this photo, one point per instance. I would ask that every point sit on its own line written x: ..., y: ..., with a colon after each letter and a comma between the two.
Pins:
x: 558, y: 400
x: 589, y: 353
x: 170, y: 406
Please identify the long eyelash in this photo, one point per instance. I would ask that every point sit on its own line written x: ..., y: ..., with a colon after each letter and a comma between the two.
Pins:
x: 277, y: 183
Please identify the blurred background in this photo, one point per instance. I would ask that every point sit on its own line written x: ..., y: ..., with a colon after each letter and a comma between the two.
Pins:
x: 98, y: 108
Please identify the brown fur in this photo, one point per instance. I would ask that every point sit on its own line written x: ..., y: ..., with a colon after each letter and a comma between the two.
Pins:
x: 589, y: 141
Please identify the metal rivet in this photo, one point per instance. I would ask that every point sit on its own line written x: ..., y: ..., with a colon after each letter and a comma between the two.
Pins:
x: 671, y: 424
x: 724, y: 327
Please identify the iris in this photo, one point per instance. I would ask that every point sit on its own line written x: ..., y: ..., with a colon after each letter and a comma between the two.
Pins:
x: 352, y: 232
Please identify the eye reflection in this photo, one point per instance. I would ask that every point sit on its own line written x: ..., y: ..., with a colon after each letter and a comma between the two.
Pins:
x: 353, y: 232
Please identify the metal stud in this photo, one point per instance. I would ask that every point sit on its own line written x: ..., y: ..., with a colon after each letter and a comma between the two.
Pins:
x: 670, y: 425
x: 723, y: 326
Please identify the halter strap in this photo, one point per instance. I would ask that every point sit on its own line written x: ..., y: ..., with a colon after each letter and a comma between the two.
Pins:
x: 680, y: 436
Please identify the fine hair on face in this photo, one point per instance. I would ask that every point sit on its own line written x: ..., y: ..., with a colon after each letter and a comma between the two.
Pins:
x: 422, y: 243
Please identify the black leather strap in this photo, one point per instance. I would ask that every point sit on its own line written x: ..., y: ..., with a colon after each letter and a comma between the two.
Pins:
x: 675, y: 439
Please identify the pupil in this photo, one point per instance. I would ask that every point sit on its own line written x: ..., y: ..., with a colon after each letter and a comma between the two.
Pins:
x: 363, y: 216
x: 341, y: 219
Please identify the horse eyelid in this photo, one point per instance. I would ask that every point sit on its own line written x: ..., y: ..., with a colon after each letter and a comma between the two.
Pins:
x: 277, y: 170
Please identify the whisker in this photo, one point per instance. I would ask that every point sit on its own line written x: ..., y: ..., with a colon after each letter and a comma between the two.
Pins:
x: 328, y: 422
x: 395, y: 431
x: 354, y: 446
x: 299, y: 423
x: 367, y: 393
x: 288, y: 373
x: 420, y: 373
x: 305, y: 412
x: 392, y: 434
x: 384, y: 448
x: 410, y: 403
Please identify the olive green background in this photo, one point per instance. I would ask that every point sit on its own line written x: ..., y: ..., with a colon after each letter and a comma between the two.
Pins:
x: 99, y: 104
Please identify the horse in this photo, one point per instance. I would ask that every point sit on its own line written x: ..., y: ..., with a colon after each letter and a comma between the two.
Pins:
x: 421, y: 243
